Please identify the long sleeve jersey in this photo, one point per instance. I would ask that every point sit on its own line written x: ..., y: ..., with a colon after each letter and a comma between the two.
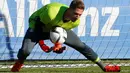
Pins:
x: 52, y: 15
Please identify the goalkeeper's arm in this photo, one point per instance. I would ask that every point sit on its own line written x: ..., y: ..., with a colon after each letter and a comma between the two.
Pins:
x: 44, y: 47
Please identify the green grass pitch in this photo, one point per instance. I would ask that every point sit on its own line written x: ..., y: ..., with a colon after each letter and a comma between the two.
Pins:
x: 89, y: 69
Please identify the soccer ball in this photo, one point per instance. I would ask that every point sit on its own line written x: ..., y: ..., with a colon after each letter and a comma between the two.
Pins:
x: 58, y: 35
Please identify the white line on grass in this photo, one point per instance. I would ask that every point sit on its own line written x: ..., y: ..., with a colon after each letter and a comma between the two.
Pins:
x: 60, y: 65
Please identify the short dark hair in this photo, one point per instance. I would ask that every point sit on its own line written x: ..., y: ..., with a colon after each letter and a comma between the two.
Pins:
x: 77, y: 4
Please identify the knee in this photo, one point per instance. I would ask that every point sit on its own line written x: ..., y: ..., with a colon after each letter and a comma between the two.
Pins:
x: 84, y: 48
x: 80, y: 46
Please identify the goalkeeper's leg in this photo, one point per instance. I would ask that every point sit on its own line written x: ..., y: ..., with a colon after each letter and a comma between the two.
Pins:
x: 27, y: 46
x: 31, y: 38
x: 74, y: 42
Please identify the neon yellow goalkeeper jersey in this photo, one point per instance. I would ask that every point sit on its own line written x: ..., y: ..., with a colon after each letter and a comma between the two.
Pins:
x: 52, y: 15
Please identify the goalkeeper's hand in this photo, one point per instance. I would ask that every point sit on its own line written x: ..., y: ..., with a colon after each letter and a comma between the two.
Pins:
x: 44, y: 47
x: 58, y: 48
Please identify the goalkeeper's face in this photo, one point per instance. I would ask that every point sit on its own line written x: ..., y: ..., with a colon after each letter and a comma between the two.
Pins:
x: 75, y: 14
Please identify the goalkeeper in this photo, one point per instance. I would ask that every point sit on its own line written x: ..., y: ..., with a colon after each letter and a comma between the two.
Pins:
x: 48, y: 17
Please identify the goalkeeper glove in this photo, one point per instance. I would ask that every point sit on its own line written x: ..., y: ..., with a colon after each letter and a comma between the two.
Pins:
x: 58, y: 48
x: 44, y: 47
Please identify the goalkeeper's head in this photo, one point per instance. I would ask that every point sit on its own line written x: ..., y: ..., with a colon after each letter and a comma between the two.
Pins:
x: 77, y: 4
x: 75, y: 10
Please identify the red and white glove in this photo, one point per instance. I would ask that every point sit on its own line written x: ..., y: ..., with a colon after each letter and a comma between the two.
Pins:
x: 44, y: 47
x: 58, y: 48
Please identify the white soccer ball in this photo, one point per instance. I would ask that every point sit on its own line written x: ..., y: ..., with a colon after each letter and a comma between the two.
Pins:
x: 58, y: 35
